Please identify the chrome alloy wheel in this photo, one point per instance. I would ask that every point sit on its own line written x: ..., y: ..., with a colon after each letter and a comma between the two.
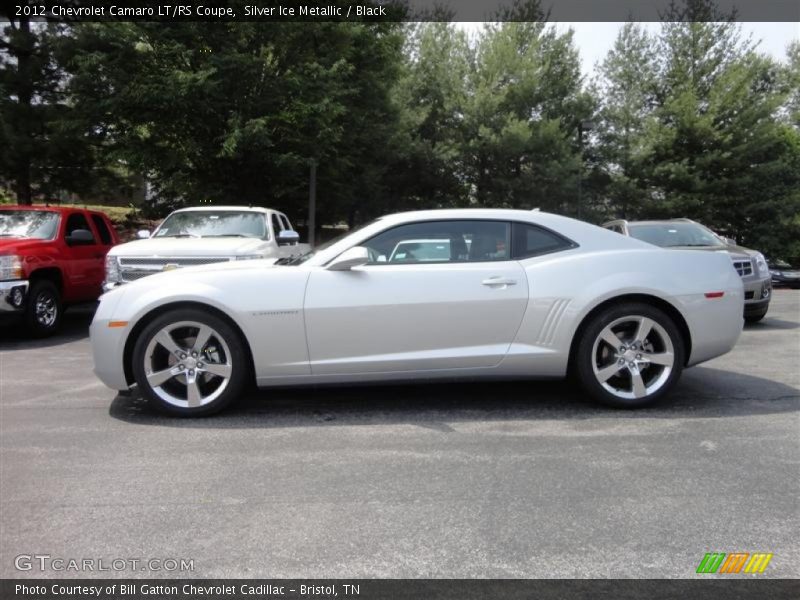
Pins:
x: 633, y: 357
x: 46, y: 309
x: 188, y: 364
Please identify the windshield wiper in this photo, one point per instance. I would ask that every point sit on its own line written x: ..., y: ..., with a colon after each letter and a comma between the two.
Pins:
x: 231, y: 235
x: 19, y: 235
x: 181, y: 235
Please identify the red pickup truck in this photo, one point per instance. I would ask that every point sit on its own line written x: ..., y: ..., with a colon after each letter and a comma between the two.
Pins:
x: 51, y: 256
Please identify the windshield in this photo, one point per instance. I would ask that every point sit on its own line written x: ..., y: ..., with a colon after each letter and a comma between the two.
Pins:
x: 38, y: 224
x: 208, y: 223
x: 669, y: 235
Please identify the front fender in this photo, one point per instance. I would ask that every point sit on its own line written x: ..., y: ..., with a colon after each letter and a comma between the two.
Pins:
x: 266, y: 305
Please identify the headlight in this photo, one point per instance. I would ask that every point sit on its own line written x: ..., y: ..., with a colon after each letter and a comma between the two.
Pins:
x: 761, y: 264
x: 249, y: 257
x: 10, y: 267
x: 113, y: 274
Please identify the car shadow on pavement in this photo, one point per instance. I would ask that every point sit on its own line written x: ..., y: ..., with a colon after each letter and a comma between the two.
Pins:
x: 702, y: 393
x: 769, y: 324
x: 74, y: 326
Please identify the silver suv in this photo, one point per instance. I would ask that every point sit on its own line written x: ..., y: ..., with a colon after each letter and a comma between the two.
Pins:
x: 686, y: 234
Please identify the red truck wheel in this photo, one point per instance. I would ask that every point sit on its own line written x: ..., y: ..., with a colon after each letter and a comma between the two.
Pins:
x: 43, y: 312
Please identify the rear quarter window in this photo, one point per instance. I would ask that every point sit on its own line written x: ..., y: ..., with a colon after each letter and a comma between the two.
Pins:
x: 529, y: 240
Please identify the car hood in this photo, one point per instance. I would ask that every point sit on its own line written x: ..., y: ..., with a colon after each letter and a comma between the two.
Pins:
x: 205, y: 246
x: 15, y: 245
x: 734, y: 250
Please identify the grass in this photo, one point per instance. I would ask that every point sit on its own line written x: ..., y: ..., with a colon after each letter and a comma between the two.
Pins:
x: 118, y: 214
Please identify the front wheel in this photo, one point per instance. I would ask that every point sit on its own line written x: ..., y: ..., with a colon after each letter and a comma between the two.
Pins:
x: 190, y: 363
x: 630, y: 355
x: 44, y: 308
x: 756, y: 317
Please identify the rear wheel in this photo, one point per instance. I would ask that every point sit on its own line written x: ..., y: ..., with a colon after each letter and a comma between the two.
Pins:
x: 630, y: 355
x: 190, y: 363
x: 44, y: 308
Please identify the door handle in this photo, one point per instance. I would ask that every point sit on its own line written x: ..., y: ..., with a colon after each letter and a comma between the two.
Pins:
x: 498, y: 282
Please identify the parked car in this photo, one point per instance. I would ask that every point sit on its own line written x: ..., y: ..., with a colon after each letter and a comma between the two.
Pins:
x: 537, y: 295
x: 784, y: 274
x: 683, y: 234
x: 202, y: 236
x: 50, y: 257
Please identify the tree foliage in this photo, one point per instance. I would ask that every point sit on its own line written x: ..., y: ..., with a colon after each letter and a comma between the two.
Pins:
x: 692, y: 127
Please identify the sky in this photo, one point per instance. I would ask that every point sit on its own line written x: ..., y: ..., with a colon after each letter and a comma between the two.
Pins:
x: 594, y: 40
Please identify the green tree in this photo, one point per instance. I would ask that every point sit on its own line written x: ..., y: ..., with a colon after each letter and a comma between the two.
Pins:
x: 234, y: 113
x: 696, y: 130
x: 525, y: 103
x: 43, y: 146
x: 431, y: 96
x: 791, y: 75
x: 627, y: 80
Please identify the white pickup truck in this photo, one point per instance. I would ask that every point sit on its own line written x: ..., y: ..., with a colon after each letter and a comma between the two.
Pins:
x: 201, y: 236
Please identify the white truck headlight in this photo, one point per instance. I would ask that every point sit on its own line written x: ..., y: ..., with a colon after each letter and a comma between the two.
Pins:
x: 113, y: 274
x: 761, y: 264
x: 10, y: 267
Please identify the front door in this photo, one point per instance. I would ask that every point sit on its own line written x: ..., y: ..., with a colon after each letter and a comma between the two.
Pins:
x: 435, y: 295
x: 85, y: 262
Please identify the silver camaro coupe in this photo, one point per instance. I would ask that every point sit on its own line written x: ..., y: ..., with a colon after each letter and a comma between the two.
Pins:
x: 462, y: 293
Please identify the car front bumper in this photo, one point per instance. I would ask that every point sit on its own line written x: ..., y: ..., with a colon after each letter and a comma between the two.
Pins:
x: 757, y: 294
x: 13, y: 295
x: 756, y: 308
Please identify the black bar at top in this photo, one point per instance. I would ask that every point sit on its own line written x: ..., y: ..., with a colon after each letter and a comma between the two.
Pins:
x: 392, y: 10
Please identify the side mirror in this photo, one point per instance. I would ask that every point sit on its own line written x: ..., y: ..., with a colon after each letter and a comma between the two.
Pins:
x: 143, y: 234
x: 288, y: 237
x: 80, y: 237
x: 354, y: 257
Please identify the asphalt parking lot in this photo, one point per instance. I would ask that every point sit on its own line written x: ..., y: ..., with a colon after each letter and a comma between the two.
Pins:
x: 460, y: 480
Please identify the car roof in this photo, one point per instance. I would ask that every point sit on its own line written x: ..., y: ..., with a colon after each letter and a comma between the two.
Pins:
x: 585, y: 235
x: 253, y: 209
x: 653, y: 222
x: 465, y: 213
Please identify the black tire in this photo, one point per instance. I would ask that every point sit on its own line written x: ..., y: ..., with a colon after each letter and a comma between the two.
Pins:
x: 585, y: 354
x: 239, y: 360
x: 756, y: 317
x: 43, y: 309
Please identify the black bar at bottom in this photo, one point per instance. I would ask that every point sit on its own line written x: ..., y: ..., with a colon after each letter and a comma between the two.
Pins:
x: 373, y: 589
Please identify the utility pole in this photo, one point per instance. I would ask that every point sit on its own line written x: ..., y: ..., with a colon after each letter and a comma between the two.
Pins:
x: 312, y: 203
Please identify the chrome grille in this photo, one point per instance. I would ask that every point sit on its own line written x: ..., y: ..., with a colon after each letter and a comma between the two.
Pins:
x: 743, y: 267
x: 133, y: 268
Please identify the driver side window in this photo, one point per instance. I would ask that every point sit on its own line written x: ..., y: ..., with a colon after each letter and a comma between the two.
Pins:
x: 441, y: 242
x: 75, y: 222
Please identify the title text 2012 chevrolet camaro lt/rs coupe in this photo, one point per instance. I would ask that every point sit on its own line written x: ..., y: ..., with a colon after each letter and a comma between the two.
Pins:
x: 475, y: 293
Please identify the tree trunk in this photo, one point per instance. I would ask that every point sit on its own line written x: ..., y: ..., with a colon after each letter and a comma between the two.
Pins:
x: 24, y: 52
